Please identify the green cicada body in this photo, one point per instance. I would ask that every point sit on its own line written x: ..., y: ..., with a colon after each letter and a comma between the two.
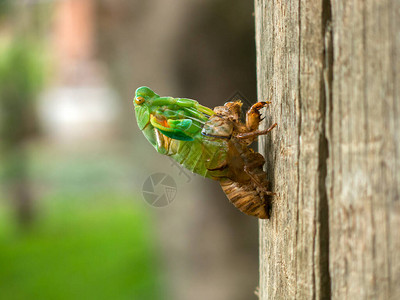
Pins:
x: 211, y: 143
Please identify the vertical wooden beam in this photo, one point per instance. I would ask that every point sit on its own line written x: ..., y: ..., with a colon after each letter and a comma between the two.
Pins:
x: 364, y: 161
x: 330, y: 71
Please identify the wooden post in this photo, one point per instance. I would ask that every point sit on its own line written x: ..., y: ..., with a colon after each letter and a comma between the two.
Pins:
x: 331, y: 72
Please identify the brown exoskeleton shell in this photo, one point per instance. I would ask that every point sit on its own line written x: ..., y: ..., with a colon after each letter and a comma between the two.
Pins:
x: 246, y: 183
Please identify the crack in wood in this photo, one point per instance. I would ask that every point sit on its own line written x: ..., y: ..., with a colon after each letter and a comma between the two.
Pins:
x: 326, y: 110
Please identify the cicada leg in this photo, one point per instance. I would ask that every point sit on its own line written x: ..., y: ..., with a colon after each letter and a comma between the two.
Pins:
x: 255, y: 178
x: 163, y: 142
x: 256, y: 133
x: 253, y: 163
x: 253, y: 115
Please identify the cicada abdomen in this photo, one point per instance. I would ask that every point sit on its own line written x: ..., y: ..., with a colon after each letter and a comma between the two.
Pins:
x: 246, y: 199
x: 246, y: 188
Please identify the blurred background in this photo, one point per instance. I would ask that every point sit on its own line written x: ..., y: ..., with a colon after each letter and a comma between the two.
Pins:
x: 73, y: 220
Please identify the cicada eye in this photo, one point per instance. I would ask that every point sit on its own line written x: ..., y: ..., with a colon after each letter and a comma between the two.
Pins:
x: 139, y: 100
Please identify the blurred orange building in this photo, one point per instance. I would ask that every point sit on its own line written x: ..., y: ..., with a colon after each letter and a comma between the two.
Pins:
x: 80, y: 106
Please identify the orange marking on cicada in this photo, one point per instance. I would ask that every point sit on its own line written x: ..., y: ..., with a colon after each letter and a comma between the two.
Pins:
x: 165, y: 123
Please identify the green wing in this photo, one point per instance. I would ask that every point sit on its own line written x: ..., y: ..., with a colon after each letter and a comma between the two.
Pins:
x: 181, y: 129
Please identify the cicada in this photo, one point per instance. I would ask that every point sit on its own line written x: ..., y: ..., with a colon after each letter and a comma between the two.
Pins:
x: 212, y: 143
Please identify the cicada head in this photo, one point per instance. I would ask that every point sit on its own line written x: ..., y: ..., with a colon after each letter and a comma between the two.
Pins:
x: 142, y: 102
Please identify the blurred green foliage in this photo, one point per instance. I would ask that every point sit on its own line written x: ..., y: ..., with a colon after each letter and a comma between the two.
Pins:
x: 92, y: 237
x: 21, y: 79
x: 82, y: 248
x: 4, y: 8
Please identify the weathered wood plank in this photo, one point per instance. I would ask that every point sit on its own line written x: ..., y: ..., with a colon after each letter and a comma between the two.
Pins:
x: 363, y: 171
x: 290, y: 45
x: 331, y: 72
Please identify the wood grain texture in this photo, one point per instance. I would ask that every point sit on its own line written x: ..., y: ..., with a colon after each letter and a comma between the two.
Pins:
x: 330, y: 70
x: 363, y: 172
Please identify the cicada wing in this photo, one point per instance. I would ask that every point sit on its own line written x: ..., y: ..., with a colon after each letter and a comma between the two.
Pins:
x: 175, y: 129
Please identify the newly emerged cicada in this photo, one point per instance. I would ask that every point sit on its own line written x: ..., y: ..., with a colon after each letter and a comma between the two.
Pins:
x: 212, y: 143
